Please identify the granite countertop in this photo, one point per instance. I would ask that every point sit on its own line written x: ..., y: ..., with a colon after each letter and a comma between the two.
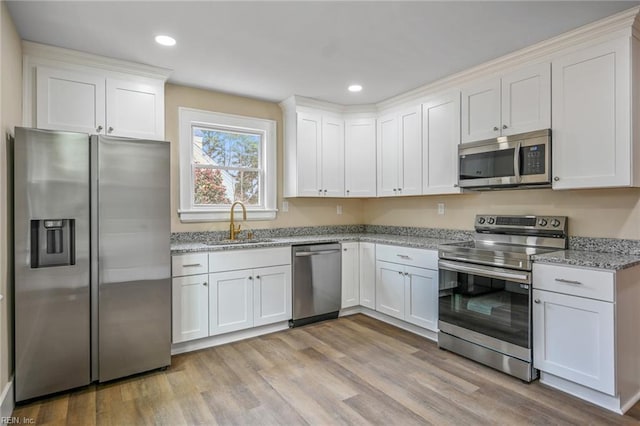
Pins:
x: 598, y: 253
x: 589, y: 259
x: 398, y: 240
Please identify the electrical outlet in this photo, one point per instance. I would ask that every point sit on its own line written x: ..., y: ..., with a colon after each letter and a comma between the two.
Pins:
x: 285, y: 206
x: 339, y: 209
x: 440, y: 208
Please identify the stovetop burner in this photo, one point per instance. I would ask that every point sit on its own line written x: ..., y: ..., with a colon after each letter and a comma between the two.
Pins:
x: 509, y: 241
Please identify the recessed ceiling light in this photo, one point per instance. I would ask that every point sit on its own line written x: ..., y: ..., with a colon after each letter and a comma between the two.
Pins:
x: 165, y: 40
x: 355, y: 88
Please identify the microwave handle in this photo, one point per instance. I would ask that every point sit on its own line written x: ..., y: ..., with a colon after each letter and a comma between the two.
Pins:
x: 516, y: 161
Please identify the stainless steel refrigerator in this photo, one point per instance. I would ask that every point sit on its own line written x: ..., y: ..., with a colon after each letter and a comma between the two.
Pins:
x: 92, y: 259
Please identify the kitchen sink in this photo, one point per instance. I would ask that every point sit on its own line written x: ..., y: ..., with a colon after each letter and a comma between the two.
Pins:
x: 239, y: 241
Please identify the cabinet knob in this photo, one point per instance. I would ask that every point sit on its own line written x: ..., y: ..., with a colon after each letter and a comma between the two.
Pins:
x: 536, y: 301
x: 556, y: 179
x: 406, y: 274
x: 325, y: 191
x: 395, y: 189
x: 319, y: 191
x: 400, y: 272
x: 344, y: 249
x: 251, y: 278
x: 99, y: 129
x: 204, y: 283
x: 495, y: 129
x: 110, y: 129
x: 504, y: 126
x: 257, y: 277
x: 347, y: 191
x: 455, y: 185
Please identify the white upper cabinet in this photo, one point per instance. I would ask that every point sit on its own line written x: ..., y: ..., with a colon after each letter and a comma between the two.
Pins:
x: 593, y: 105
x: 400, y: 153
x: 513, y: 103
x: 67, y: 100
x: 320, y: 155
x: 440, y: 139
x: 135, y: 109
x: 73, y: 91
x: 360, y: 157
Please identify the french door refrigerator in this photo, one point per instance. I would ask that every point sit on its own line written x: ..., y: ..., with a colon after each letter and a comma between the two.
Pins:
x: 92, y: 259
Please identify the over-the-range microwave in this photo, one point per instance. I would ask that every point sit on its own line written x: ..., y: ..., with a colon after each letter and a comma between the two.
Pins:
x: 515, y: 161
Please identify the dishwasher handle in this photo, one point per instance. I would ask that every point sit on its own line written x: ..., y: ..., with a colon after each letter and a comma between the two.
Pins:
x: 315, y: 253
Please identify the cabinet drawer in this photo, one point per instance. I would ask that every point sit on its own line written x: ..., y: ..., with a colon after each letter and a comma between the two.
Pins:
x: 189, y: 264
x: 594, y: 284
x: 420, y: 258
x: 249, y: 259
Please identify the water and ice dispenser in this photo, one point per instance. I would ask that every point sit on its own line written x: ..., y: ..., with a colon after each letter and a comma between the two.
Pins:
x: 52, y: 242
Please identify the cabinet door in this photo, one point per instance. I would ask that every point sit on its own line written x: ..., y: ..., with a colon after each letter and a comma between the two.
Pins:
x: 271, y: 295
x: 421, y: 297
x: 481, y: 111
x: 230, y: 301
x: 591, y: 117
x: 367, y: 279
x: 440, y: 139
x: 387, y: 156
x: 190, y: 308
x: 350, y: 275
x: 410, y: 145
x: 573, y: 338
x: 526, y: 100
x: 309, y: 154
x: 135, y: 110
x: 390, y: 289
x: 332, y: 157
x: 360, y: 158
x: 72, y: 101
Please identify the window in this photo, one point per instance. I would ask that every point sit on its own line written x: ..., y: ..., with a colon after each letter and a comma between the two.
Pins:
x: 226, y: 158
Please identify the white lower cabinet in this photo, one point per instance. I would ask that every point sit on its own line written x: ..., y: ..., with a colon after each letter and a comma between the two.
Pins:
x: 251, y: 293
x: 190, y: 319
x: 585, y: 327
x: 574, y: 339
x: 367, y: 274
x: 230, y: 301
x: 406, y: 291
x: 350, y: 275
x: 271, y: 295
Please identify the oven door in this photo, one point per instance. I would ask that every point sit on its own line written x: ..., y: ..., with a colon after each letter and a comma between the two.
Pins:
x: 486, y: 305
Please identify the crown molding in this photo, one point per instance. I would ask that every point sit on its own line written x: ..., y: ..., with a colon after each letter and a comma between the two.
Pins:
x: 54, y: 53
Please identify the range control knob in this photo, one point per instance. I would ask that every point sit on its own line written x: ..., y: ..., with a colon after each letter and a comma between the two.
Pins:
x: 481, y: 220
x: 542, y: 222
x: 555, y: 223
x: 491, y: 221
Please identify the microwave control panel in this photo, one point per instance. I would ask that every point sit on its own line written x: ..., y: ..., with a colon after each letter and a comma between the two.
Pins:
x: 532, y: 160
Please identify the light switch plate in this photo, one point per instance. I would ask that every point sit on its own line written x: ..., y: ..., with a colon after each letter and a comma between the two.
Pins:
x: 440, y: 208
x: 339, y: 209
x: 285, y: 206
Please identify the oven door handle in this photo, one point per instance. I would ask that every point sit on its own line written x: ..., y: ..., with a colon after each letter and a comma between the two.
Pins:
x: 489, y: 272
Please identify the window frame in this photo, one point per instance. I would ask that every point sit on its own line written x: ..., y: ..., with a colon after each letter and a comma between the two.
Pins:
x: 189, y: 118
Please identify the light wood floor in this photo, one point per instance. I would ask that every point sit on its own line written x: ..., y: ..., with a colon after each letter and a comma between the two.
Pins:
x: 354, y: 370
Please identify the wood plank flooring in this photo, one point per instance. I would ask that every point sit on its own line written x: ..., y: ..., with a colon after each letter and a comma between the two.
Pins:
x: 351, y: 371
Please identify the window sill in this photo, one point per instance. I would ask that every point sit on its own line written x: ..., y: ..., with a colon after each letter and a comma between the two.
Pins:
x: 224, y: 215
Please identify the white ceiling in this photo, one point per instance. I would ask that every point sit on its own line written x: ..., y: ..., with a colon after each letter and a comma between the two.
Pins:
x: 271, y: 50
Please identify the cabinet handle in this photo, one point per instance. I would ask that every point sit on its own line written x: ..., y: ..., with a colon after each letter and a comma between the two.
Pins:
x: 406, y: 274
x: 110, y: 129
x: 536, y: 301
x: 99, y: 129
x: 562, y: 280
x: 403, y: 256
x: 191, y: 265
x: 556, y: 179
x: 204, y: 283
x: 400, y: 272
x: 495, y: 129
x: 504, y: 126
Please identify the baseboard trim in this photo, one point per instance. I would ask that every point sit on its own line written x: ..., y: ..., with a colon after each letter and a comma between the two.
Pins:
x: 431, y: 335
x: 208, y: 342
x: 7, y: 400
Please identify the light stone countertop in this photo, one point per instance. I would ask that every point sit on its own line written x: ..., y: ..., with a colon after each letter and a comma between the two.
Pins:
x: 589, y: 259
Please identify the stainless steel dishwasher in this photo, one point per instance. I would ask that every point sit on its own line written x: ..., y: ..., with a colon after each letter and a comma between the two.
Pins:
x: 317, y: 282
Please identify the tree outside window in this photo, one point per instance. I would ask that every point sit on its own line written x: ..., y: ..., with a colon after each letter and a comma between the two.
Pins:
x: 226, y: 167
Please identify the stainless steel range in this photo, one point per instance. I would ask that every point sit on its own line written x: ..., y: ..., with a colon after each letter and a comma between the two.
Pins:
x: 485, y: 290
